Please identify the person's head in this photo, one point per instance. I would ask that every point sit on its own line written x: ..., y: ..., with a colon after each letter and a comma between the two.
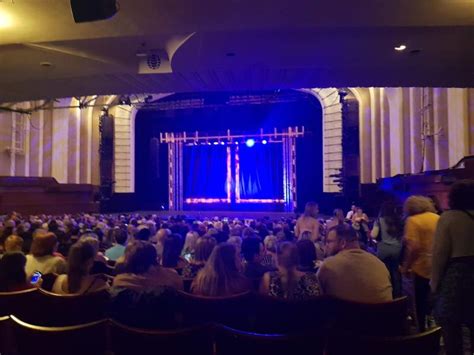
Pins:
x: 80, y: 261
x: 305, y: 235
x: 270, y: 242
x: 287, y: 256
x: 340, y: 238
x: 140, y: 257
x: 44, y: 244
x: 203, y: 249
x: 13, y: 243
x: 311, y: 209
x: 252, y: 249
x: 12, y: 271
x: 339, y: 215
x: 461, y: 195
x: 162, y: 234
x: 391, y: 214
x: 417, y: 204
x: 306, y: 254
x: 223, y: 259
x: 143, y: 233
x: 190, y: 242
x: 359, y: 211
x: 120, y: 235
x: 172, y: 246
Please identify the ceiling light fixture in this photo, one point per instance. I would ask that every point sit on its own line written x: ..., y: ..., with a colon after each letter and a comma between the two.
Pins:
x: 5, y: 20
x: 400, y: 48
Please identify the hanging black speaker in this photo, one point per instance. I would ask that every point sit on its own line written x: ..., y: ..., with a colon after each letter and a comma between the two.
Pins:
x: 93, y: 10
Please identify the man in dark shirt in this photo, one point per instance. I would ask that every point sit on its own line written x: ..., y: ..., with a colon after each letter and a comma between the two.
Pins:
x: 252, y: 251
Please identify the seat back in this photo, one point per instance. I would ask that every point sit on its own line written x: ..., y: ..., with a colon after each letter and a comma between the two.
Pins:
x: 63, y: 310
x: 427, y: 343
x: 235, y: 342
x: 277, y: 315
x: 7, y: 345
x: 388, y: 318
x: 187, y: 284
x: 130, y: 341
x: 89, y: 338
x: 48, y: 281
x: 20, y: 303
x: 232, y: 311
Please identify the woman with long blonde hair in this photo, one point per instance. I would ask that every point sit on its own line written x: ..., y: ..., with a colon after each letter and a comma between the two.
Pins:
x: 220, y: 276
x: 308, y: 221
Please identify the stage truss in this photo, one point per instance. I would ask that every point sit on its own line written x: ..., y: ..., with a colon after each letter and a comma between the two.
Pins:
x: 177, y: 140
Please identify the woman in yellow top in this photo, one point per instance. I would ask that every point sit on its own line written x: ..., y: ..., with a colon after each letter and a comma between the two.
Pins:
x: 420, y: 229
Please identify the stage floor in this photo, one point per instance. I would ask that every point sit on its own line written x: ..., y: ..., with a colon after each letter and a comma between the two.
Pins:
x: 222, y: 214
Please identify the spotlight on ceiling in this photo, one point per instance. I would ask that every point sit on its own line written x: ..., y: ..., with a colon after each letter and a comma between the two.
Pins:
x: 93, y: 10
x: 400, y: 48
x: 250, y: 142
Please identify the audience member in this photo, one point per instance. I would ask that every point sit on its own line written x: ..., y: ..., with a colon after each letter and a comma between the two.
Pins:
x: 336, y: 220
x: 172, y: 246
x: 142, y: 271
x: 119, y: 237
x: 270, y: 257
x: 78, y: 279
x: 306, y: 255
x: 452, y: 279
x: 252, y: 251
x: 13, y: 243
x: 308, y: 221
x: 351, y: 273
x: 221, y: 276
x: 41, y: 258
x: 202, y: 251
x: 388, y: 231
x: 12, y: 272
x: 420, y: 227
x: 287, y: 281
x: 351, y: 212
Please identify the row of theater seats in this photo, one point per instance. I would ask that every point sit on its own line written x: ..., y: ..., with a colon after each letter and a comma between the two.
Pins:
x: 107, y: 337
x: 258, y: 319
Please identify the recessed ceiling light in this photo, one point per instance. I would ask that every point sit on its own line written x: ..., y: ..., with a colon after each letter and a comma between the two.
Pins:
x: 46, y: 64
x: 401, y: 47
x: 5, y: 20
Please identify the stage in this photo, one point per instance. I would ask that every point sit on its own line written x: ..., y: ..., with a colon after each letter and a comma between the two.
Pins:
x: 242, y: 215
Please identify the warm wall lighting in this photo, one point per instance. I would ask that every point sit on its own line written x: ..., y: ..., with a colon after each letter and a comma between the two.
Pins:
x: 5, y: 20
x: 400, y: 48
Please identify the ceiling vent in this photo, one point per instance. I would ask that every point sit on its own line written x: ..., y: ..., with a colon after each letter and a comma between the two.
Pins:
x: 153, y: 62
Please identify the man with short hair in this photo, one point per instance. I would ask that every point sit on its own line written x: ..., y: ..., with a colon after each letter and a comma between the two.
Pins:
x: 252, y: 251
x: 351, y: 273
x: 120, y: 237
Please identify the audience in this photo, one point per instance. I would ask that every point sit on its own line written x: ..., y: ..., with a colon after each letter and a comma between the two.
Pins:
x: 452, y: 279
x: 337, y: 219
x: 172, y: 246
x: 13, y: 243
x: 287, y: 281
x: 221, y: 276
x: 420, y: 227
x: 269, y: 258
x: 42, y: 256
x: 306, y: 256
x: 351, y: 273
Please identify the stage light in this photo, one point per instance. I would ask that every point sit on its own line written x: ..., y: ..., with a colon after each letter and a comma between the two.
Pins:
x: 264, y: 141
x: 400, y: 48
x: 222, y: 143
x: 250, y: 142
x: 216, y: 143
x: 236, y: 143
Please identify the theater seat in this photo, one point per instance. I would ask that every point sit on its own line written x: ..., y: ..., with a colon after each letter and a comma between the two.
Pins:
x: 20, y: 303
x: 427, y: 343
x: 235, y: 342
x: 89, y: 338
x: 130, y: 341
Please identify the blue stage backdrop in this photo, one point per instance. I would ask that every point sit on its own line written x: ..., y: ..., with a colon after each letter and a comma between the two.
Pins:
x: 204, y: 169
x: 211, y: 171
x: 261, y: 171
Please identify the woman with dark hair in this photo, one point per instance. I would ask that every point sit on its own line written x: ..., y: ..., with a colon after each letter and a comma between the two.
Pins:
x: 78, y: 279
x: 306, y: 256
x: 12, y: 273
x: 288, y: 282
x: 337, y: 219
x: 172, y: 247
x: 142, y: 272
x: 388, y: 231
x: 202, y: 250
x: 308, y: 221
x: 221, y: 276
x: 452, y: 278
